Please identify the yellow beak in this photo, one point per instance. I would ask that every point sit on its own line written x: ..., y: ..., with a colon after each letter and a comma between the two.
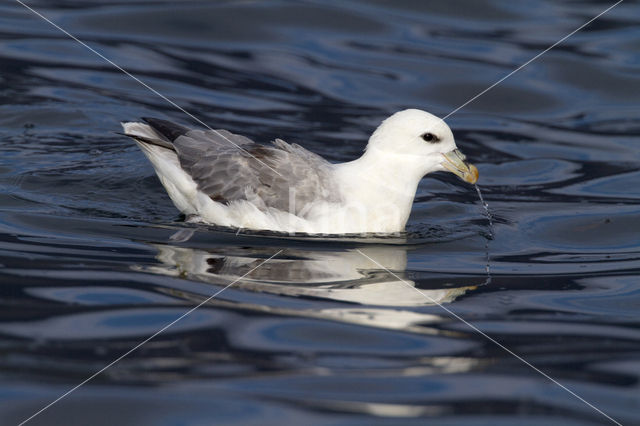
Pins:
x: 455, y: 162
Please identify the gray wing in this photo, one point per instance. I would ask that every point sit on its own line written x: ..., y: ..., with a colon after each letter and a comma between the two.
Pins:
x: 230, y: 167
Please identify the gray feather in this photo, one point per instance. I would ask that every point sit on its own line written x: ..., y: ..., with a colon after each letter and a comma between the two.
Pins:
x: 226, y: 173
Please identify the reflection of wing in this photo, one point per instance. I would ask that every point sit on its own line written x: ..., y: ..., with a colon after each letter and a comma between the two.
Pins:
x: 229, y: 167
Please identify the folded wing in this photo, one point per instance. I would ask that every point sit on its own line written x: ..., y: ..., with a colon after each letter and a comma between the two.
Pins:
x: 229, y: 167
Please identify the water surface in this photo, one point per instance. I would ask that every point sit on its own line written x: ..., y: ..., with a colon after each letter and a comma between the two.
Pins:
x: 94, y: 257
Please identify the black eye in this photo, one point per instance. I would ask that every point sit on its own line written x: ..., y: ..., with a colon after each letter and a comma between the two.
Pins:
x: 430, y: 137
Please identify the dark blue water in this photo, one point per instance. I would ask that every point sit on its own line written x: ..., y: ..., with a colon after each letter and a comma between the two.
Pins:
x: 94, y: 258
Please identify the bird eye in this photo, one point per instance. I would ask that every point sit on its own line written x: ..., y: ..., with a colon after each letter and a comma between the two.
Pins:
x: 429, y: 137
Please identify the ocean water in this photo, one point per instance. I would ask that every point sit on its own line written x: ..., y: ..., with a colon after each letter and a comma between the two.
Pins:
x: 94, y: 258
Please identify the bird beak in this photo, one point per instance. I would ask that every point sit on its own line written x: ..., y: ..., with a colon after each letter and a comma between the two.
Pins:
x: 455, y: 162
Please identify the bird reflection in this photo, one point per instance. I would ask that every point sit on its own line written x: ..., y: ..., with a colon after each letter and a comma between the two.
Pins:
x: 342, y: 275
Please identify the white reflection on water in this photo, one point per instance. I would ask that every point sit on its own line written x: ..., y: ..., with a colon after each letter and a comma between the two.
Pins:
x: 341, y: 276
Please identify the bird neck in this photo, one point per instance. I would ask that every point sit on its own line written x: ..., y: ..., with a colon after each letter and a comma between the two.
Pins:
x: 382, y: 181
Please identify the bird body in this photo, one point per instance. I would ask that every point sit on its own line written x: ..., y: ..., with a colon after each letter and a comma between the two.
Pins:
x: 227, y: 179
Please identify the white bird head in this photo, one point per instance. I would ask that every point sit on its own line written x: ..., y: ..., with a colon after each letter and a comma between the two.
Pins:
x: 424, y: 140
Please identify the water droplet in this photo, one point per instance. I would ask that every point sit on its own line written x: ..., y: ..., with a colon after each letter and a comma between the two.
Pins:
x: 485, y: 205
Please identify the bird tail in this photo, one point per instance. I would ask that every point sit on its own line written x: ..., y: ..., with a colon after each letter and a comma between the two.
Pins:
x: 145, y: 134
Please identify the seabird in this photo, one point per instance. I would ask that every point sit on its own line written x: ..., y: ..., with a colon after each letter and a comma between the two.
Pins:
x: 227, y: 179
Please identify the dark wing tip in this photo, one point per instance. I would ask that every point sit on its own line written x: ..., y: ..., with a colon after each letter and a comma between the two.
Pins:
x: 157, y: 142
x: 166, y: 128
